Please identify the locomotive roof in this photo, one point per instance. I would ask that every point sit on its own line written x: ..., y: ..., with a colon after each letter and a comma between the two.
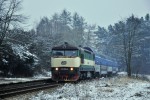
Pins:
x: 87, y: 48
x: 65, y: 46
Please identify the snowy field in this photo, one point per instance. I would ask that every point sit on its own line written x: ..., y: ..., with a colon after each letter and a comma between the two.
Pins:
x: 101, y: 89
x: 118, y: 88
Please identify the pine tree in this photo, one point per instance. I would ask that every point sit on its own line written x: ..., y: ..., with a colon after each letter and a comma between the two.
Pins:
x: 147, y: 17
x: 78, y: 28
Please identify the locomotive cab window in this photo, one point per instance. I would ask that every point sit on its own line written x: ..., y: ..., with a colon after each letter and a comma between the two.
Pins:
x: 70, y: 53
x: 58, y: 53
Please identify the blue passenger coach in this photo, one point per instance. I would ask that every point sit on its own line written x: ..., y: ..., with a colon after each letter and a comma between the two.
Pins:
x: 105, y: 67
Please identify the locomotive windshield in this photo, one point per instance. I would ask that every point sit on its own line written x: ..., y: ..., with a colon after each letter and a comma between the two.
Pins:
x: 70, y: 53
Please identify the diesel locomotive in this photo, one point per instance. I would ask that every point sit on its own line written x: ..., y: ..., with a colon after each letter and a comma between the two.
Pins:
x: 71, y: 63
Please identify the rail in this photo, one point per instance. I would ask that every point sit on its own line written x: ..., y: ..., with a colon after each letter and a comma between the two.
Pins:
x: 12, y: 89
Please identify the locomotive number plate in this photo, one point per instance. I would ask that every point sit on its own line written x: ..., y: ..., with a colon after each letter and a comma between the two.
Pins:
x: 64, y: 68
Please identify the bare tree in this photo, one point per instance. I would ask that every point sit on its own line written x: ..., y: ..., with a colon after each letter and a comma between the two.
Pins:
x: 125, y: 40
x: 8, y: 16
x: 78, y: 28
x: 129, y: 40
x: 128, y: 35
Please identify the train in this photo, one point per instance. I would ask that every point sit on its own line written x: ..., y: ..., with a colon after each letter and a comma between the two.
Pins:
x: 72, y: 63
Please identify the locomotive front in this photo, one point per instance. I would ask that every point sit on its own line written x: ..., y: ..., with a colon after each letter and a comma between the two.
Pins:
x: 65, y: 62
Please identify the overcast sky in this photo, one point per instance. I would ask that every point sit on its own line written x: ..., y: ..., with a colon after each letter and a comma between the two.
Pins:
x: 100, y: 12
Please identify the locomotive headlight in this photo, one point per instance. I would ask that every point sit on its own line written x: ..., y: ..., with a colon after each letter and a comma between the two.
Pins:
x: 71, y: 69
x: 56, y: 68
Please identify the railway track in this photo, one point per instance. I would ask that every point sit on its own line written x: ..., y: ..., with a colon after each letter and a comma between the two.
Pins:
x: 13, y: 89
x: 8, y: 90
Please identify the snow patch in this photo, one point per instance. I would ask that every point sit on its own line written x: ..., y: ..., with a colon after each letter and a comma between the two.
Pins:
x: 122, y: 73
x: 17, y: 80
x: 5, y: 61
x: 23, y: 52
x: 45, y: 74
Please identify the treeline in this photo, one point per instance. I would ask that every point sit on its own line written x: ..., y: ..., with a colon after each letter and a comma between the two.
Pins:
x: 130, y: 43
x: 15, y: 59
x: 25, y: 53
x: 127, y: 41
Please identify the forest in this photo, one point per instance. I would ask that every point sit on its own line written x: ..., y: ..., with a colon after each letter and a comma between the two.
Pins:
x: 25, y: 53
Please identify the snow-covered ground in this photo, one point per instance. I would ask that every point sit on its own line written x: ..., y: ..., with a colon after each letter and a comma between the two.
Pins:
x: 117, y: 88
x: 44, y: 74
x: 122, y: 88
x: 122, y: 73
x: 148, y: 76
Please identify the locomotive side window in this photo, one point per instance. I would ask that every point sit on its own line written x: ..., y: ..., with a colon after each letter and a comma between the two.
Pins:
x: 71, y: 53
x: 82, y: 58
